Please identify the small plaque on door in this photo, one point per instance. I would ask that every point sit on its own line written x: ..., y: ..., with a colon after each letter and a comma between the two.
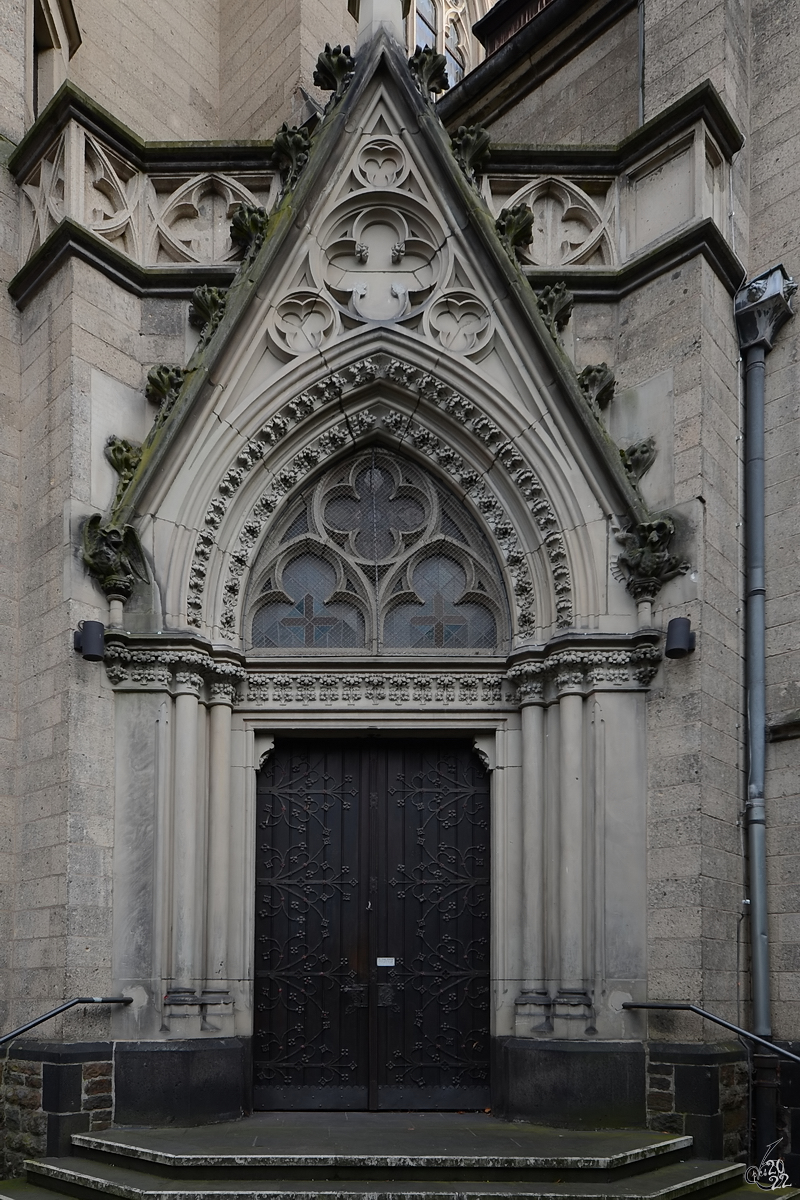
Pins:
x: 385, y: 962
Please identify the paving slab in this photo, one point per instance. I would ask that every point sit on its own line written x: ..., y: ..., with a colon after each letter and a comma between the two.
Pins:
x: 384, y: 1137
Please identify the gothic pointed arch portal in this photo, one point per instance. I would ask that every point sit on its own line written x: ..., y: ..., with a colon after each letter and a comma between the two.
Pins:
x: 378, y: 504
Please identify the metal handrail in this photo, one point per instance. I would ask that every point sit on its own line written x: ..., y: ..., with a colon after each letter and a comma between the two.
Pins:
x: 63, y: 1008
x: 685, y: 1006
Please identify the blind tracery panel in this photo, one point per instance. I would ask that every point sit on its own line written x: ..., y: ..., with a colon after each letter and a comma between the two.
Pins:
x: 376, y: 556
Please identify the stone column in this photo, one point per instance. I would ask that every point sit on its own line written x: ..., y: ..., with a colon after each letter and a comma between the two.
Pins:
x: 533, y: 1002
x: 216, y: 994
x: 572, y: 1004
x: 186, y: 905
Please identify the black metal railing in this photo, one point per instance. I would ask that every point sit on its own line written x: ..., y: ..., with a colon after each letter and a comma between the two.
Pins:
x: 63, y: 1008
x: 685, y: 1006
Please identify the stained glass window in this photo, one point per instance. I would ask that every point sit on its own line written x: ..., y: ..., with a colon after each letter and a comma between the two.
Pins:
x: 377, y: 556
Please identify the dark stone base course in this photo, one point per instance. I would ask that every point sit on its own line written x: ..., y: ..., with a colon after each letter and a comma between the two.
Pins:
x: 580, y: 1084
x: 700, y: 1090
x: 789, y: 1112
x: 182, y: 1082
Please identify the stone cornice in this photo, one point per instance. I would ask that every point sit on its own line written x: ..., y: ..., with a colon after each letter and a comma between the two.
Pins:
x: 72, y: 104
x: 72, y: 240
x: 592, y: 284
x: 554, y: 36
x: 585, y: 662
x: 702, y: 103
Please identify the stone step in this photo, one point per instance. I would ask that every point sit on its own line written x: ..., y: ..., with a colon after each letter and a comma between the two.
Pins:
x: 86, y: 1179
x: 565, y: 1160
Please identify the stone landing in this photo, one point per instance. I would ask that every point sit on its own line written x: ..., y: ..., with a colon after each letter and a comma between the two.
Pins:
x: 378, y: 1156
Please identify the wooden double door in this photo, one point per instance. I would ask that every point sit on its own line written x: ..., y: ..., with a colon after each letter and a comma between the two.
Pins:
x: 372, y: 926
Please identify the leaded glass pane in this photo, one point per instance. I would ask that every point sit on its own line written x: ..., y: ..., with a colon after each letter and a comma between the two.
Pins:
x: 309, y: 618
x: 440, y: 621
x: 375, y: 555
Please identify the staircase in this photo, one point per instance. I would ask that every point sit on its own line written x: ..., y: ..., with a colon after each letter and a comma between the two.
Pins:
x: 372, y: 1156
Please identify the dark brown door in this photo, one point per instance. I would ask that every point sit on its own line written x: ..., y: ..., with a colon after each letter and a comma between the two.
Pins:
x: 372, y: 926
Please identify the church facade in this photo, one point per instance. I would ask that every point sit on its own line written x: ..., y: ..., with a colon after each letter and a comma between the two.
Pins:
x: 381, y: 382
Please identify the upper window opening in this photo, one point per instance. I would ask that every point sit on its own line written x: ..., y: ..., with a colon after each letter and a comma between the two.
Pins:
x: 377, y: 557
x: 446, y: 26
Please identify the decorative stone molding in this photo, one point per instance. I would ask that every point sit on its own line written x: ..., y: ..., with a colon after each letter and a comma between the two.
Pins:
x: 153, y: 216
x: 124, y: 457
x: 290, y: 153
x: 429, y: 71
x: 170, y: 668
x: 163, y: 388
x: 206, y: 310
x: 424, y: 387
x: 248, y: 229
x: 570, y: 226
x: 366, y: 689
x: 555, y: 306
x: 334, y: 71
x: 597, y: 384
x: 471, y: 147
x: 459, y: 321
x: 576, y: 670
x: 638, y: 459
x: 113, y: 556
x: 646, y: 559
x: 515, y: 229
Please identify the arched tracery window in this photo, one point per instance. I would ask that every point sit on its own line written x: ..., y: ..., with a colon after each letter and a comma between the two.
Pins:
x: 376, y: 556
x: 446, y: 25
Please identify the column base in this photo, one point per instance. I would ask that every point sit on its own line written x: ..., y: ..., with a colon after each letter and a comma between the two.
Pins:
x: 190, y: 1082
x: 569, y: 1083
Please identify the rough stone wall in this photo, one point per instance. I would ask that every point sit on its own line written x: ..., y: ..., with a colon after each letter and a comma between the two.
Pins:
x: 79, y: 329
x: 278, y: 43
x: 12, y: 69
x: 154, y: 64
x: 592, y: 98
x: 9, y: 613
x: 775, y: 227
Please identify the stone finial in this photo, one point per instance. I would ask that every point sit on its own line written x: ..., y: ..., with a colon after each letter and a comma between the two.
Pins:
x: 206, y: 310
x: 429, y: 70
x: 555, y: 306
x: 597, y: 384
x: 646, y: 557
x: 249, y: 228
x: 515, y: 227
x: 762, y: 306
x: 471, y: 149
x: 334, y: 71
x: 114, y: 556
x: 638, y: 459
x: 290, y: 152
x: 124, y: 457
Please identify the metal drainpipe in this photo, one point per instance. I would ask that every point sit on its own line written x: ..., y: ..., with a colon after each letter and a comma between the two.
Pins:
x: 761, y: 307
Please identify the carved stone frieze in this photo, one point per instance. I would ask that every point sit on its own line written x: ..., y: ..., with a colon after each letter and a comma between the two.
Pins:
x: 646, y: 560
x: 577, y: 670
x: 367, y: 689
x: 168, y: 668
x: 124, y: 457
x: 113, y: 556
x: 154, y: 216
x: 429, y: 71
